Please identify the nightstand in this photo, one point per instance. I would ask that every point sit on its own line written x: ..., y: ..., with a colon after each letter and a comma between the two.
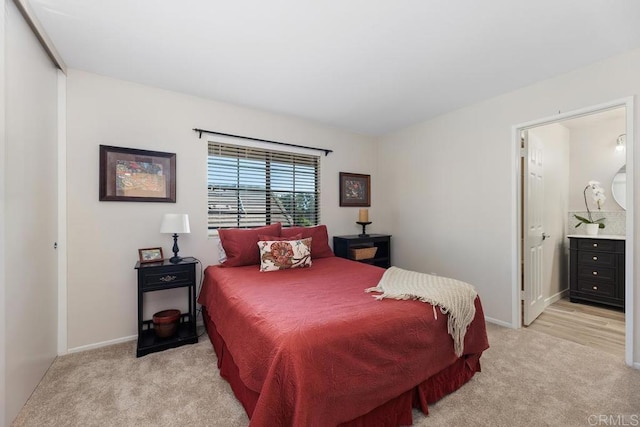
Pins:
x: 159, y: 276
x: 343, y: 245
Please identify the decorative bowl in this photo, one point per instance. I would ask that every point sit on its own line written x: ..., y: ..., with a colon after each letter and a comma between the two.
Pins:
x: 165, y: 323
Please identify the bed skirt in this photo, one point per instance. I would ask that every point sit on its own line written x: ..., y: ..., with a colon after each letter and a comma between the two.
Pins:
x: 397, y: 411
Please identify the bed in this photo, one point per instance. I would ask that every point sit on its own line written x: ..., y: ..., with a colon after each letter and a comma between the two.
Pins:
x: 308, y: 347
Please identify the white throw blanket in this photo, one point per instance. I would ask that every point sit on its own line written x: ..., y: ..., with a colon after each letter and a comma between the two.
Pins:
x: 455, y: 298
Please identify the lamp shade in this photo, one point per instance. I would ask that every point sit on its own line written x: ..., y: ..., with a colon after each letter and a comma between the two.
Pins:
x: 175, y: 224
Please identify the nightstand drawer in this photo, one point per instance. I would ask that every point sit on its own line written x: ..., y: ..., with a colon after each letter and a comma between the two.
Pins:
x: 590, y: 258
x: 597, y: 245
x: 596, y: 288
x: 600, y: 274
x: 166, y: 277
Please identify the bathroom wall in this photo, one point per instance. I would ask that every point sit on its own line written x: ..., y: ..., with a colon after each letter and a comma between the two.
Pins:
x: 615, y: 223
x: 594, y: 158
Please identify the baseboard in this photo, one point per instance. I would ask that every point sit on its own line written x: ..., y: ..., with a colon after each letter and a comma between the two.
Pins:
x: 636, y: 365
x: 102, y: 344
x: 199, y: 323
x: 556, y: 297
x: 498, y: 322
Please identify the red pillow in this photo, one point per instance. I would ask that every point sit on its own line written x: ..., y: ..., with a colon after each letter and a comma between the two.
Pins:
x: 319, y: 245
x: 241, y: 245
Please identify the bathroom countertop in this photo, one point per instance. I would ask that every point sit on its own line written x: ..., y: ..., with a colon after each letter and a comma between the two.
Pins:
x: 599, y: 236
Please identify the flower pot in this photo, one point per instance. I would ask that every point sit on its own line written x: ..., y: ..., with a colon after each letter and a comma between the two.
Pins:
x: 165, y: 323
x: 592, y: 229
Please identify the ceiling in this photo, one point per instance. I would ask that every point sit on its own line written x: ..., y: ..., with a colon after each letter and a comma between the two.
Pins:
x: 595, y: 118
x: 368, y: 66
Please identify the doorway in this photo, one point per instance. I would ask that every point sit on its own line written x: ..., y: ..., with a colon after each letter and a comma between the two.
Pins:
x: 538, y: 243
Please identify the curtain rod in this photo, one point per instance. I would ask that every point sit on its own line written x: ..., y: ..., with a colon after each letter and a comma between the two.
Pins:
x: 201, y: 131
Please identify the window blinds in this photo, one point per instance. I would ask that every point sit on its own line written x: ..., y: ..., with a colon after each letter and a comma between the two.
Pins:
x: 251, y: 187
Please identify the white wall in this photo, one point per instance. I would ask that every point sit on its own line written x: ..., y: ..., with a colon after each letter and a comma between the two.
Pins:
x: 449, y: 181
x: 594, y: 158
x: 554, y: 139
x: 3, y: 298
x: 30, y: 202
x: 103, y: 237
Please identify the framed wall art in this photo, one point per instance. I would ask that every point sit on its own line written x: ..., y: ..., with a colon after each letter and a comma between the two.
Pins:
x: 355, y: 189
x: 150, y: 255
x: 132, y: 175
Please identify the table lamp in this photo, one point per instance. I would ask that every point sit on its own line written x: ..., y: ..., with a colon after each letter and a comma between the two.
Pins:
x: 175, y: 223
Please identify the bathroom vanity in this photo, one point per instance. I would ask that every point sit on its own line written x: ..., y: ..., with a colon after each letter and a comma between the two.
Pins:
x: 596, y: 269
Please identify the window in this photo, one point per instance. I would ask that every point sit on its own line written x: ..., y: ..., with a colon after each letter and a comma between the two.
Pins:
x: 251, y: 187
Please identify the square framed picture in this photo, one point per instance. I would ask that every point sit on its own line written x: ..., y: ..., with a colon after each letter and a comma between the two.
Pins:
x: 132, y: 175
x: 355, y: 189
x: 150, y: 255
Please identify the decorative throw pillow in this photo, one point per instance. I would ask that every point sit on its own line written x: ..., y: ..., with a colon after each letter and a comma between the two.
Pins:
x: 320, y: 247
x: 284, y: 254
x: 240, y: 244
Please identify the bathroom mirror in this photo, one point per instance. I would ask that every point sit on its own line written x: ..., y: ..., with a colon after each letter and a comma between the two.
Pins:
x: 619, y: 187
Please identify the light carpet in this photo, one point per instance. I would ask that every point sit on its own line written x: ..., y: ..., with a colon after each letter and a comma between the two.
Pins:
x: 527, y: 379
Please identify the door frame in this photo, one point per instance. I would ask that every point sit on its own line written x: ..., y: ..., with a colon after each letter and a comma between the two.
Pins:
x: 516, y: 217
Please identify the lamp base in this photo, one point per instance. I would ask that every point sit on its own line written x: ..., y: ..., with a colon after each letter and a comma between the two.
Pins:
x: 175, y: 258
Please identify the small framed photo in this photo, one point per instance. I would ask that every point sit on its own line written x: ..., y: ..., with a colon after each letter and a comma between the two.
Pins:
x: 150, y: 255
x: 132, y: 175
x: 355, y: 189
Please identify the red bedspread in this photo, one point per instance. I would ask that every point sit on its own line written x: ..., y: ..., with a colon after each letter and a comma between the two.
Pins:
x: 318, y: 349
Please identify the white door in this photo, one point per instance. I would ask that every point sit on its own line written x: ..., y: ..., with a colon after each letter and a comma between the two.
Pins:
x: 533, y: 228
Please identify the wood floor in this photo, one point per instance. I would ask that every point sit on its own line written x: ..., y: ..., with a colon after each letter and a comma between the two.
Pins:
x: 589, y: 325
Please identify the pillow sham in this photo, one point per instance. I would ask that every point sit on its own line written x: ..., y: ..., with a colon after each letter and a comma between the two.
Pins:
x: 320, y: 247
x: 240, y: 244
x: 284, y: 254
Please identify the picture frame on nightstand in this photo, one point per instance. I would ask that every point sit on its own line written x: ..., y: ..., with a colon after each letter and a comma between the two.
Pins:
x: 147, y: 255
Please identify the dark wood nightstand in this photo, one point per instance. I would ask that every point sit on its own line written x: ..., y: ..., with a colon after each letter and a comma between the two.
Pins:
x: 343, y: 245
x: 158, y: 276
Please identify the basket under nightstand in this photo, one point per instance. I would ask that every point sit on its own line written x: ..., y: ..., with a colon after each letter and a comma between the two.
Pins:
x: 372, y: 249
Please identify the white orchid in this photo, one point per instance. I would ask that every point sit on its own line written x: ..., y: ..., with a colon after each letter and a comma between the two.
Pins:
x: 598, y: 194
x: 598, y: 197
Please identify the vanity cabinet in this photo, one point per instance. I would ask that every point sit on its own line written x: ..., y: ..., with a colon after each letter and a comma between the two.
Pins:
x: 596, y: 270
